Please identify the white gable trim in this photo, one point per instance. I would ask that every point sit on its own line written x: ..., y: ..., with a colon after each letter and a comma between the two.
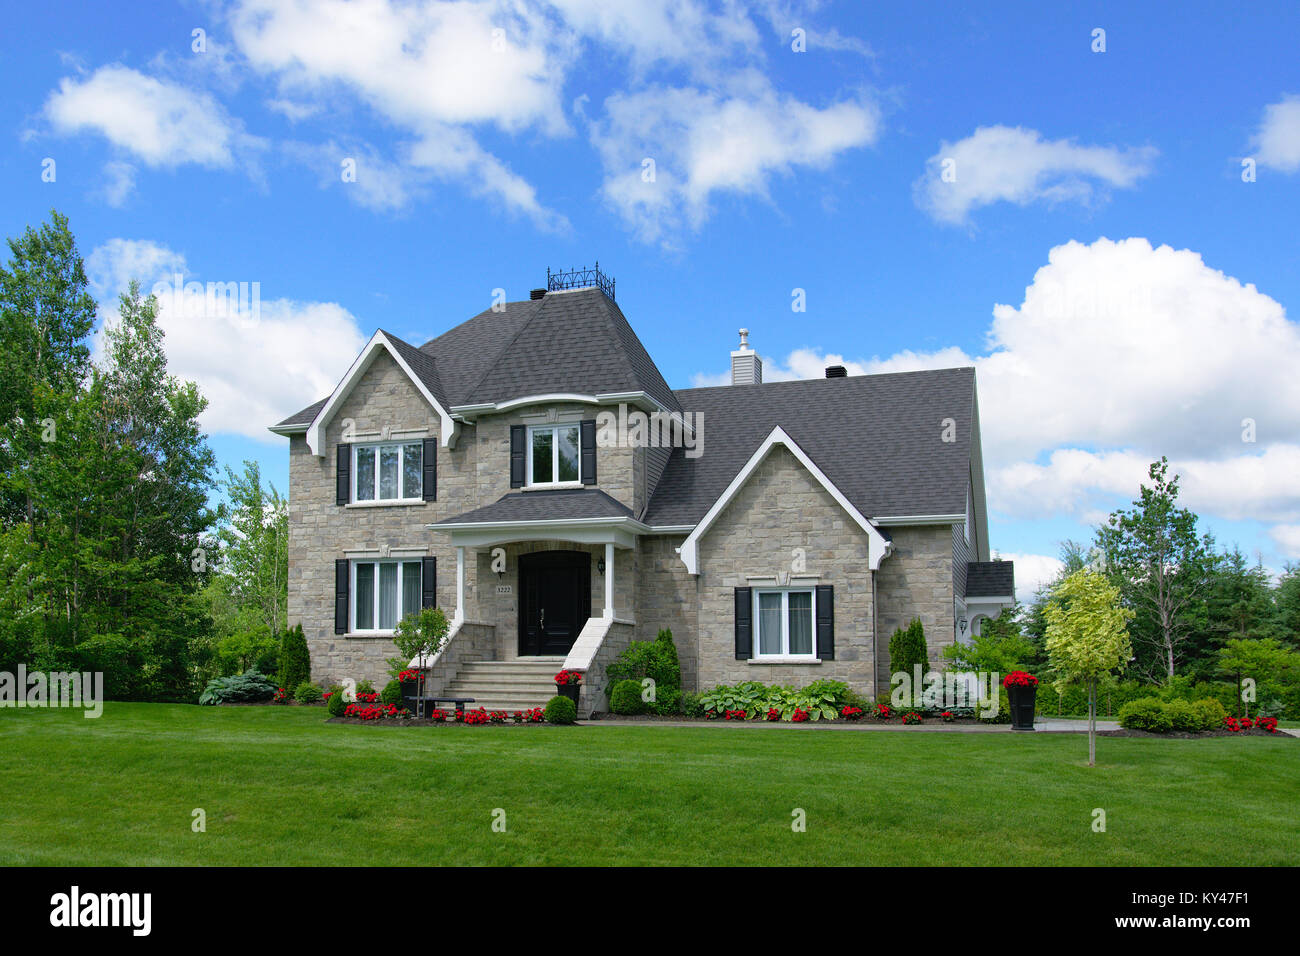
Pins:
x: 877, y: 548
x: 448, y: 429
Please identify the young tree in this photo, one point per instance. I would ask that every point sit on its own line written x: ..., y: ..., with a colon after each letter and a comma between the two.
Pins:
x: 1153, y: 553
x: 1087, y: 637
x: 419, y: 636
x: 255, y: 546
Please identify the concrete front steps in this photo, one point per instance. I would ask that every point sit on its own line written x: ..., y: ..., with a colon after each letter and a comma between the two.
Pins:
x: 507, y: 685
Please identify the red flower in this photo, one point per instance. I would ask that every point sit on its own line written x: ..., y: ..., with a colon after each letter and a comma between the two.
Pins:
x: 568, y: 677
x: 773, y: 714
x: 1020, y: 679
x: 800, y: 715
x: 852, y: 713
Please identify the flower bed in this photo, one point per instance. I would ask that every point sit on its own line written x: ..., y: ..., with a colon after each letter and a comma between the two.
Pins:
x: 365, y: 713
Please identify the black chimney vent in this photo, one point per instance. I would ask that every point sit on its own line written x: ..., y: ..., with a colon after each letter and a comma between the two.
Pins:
x: 836, y: 371
x: 537, y: 294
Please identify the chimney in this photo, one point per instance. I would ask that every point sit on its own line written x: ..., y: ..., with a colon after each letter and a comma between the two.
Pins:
x: 836, y: 371
x: 537, y: 294
x: 746, y: 366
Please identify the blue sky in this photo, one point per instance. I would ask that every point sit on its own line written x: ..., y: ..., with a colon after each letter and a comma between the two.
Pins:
x: 1145, y: 293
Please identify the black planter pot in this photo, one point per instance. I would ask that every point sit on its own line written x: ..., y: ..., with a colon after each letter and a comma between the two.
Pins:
x: 570, y: 691
x: 1021, y: 699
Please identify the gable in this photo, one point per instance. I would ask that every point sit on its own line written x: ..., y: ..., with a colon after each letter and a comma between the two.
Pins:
x: 878, y: 547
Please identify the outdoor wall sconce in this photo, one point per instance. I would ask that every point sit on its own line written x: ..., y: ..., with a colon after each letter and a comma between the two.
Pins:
x: 600, y: 565
x: 961, y: 623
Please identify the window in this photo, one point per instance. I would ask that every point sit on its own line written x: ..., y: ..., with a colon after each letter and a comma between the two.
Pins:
x: 553, y: 455
x: 383, y: 592
x: 785, y: 624
x: 388, y: 472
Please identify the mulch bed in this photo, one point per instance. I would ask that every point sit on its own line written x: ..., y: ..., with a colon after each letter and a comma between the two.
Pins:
x: 1187, y: 735
x: 680, y: 719
x: 426, y: 722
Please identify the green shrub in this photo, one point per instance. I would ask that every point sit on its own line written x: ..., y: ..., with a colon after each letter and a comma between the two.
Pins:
x: 692, y: 705
x: 1182, y: 717
x: 238, y: 688
x: 667, y: 702
x: 1146, y: 713
x: 625, y: 698
x: 294, y: 662
x: 365, y: 687
x: 336, y: 704
x: 655, y: 659
x: 307, y: 693
x: 907, y: 649
x: 1209, y: 713
x: 391, y: 694
x: 560, y: 710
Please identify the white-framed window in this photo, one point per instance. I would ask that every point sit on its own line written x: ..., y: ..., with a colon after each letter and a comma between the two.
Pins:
x: 388, y: 472
x: 554, y: 453
x: 785, y: 622
x: 383, y: 592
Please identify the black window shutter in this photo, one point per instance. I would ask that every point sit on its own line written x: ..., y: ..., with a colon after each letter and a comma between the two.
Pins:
x: 343, y: 476
x: 588, y: 435
x: 826, y: 622
x: 744, y: 624
x: 341, y: 596
x: 430, y: 462
x: 428, y: 582
x: 517, y: 435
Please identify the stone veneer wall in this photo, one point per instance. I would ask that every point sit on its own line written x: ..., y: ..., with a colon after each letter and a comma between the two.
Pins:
x: 594, y: 694
x: 781, y: 508
x: 915, y: 581
x: 669, y: 598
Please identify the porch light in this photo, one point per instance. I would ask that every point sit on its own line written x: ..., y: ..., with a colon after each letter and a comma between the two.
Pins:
x: 961, y: 623
x: 600, y: 565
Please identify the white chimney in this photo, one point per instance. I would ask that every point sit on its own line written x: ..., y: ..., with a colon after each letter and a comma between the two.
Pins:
x: 746, y: 366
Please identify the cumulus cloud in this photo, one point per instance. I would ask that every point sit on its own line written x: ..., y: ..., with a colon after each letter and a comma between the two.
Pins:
x: 1012, y: 164
x: 257, y: 360
x: 1277, y: 141
x: 705, y: 142
x: 160, y: 123
x: 1121, y: 352
x: 1032, y: 572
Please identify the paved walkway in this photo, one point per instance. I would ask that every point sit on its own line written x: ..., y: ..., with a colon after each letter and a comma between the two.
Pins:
x: 1054, y: 725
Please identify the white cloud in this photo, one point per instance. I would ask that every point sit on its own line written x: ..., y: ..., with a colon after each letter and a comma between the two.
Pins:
x: 1287, y: 537
x: 705, y: 142
x: 1032, y: 572
x: 1277, y: 141
x: 257, y: 362
x: 1120, y: 353
x: 160, y: 123
x: 1002, y: 163
x: 119, y: 182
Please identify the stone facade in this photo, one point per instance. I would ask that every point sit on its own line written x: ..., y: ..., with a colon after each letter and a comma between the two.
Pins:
x: 780, y: 509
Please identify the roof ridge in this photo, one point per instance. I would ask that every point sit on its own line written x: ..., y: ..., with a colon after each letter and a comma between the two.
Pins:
x: 490, y: 366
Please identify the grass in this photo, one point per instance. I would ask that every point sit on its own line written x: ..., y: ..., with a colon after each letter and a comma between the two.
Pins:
x: 280, y: 786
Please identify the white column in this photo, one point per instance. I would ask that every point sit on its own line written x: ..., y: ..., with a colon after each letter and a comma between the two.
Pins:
x: 460, y: 584
x: 609, y: 581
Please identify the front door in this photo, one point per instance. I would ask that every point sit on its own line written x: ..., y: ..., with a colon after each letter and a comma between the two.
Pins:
x: 554, y: 601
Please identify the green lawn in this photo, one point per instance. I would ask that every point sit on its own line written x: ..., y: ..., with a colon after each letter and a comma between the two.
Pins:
x: 280, y: 786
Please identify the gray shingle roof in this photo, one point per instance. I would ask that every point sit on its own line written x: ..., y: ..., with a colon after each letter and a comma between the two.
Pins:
x: 990, y: 578
x: 577, y: 341
x: 878, y: 438
x: 566, y: 504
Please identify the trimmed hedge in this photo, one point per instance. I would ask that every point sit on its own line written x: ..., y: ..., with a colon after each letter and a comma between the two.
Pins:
x: 625, y: 698
x: 560, y: 710
x: 1162, y: 716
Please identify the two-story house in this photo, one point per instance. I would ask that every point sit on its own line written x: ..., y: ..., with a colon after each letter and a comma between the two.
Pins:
x: 531, y: 472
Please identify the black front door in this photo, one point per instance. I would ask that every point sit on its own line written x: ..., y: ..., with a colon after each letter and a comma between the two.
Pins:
x: 554, y: 600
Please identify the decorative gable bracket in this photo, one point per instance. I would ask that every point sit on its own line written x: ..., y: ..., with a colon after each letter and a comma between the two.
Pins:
x: 877, y: 547
x: 448, y: 428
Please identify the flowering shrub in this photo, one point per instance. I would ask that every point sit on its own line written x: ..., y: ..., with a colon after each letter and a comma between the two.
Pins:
x: 911, y: 717
x: 281, y: 696
x: 773, y: 714
x: 498, y: 716
x: 568, y: 677
x: 376, y: 712
x: 1267, y: 723
x: 367, y: 698
x: 882, y: 712
x: 436, y: 714
x: 799, y: 715
x: 735, y: 715
x: 411, y: 674
x: 1019, y: 679
x: 532, y: 716
x: 474, y: 717
x: 852, y: 713
x: 948, y: 715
